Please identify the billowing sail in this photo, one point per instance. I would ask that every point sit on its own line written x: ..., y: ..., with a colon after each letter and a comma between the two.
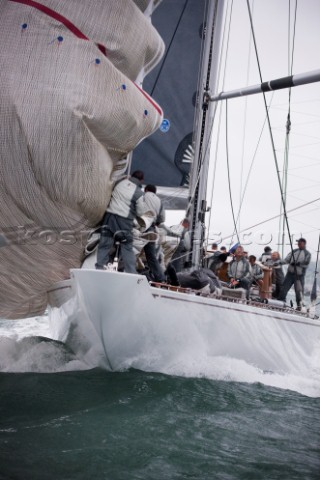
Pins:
x: 166, y: 155
x: 70, y: 110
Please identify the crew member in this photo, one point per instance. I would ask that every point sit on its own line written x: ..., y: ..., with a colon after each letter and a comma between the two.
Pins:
x: 298, y: 261
x: 126, y: 203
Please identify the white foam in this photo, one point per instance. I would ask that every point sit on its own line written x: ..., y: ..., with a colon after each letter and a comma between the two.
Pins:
x: 26, y: 327
x: 35, y: 355
x: 230, y: 369
x: 18, y: 353
x: 23, y: 348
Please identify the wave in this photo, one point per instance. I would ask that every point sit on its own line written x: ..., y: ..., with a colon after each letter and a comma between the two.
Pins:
x: 42, y: 354
x: 37, y: 354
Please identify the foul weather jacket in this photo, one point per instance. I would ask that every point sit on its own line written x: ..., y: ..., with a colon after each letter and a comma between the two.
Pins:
x: 299, y: 257
x: 153, y: 204
x: 127, y: 199
x: 239, y: 269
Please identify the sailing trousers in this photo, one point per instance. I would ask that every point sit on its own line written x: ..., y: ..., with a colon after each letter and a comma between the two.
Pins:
x: 115, y: 228
x: 153, y: 262
x: 245, y: 283
x: 289, y: 280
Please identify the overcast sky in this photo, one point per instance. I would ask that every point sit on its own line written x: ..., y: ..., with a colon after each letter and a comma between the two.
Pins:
x: 247, y: 116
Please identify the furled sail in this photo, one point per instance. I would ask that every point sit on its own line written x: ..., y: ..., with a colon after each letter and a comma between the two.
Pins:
x: 70, y: 110
x: 166, y: 156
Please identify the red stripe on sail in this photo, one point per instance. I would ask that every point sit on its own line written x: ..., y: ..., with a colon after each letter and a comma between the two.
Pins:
x: 60, y: 18
x: 149, y: 98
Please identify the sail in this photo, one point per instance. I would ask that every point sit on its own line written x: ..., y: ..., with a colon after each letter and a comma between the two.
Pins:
x: 70, y: 111
x: 166, y: 155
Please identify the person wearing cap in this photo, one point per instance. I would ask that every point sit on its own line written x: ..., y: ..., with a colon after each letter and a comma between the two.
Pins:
x: 298, y: 260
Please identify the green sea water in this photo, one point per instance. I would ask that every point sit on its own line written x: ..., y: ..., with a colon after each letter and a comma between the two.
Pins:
x: 222, y: 419
x: 137, y: 425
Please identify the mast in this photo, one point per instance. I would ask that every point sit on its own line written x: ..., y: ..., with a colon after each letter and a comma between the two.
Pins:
x: 208, y: 81
x: 204, y: 115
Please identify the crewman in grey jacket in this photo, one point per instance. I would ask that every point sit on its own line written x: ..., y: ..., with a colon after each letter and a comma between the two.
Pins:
x: 239, y: 271
x: 298, y: 261
x: 153, y: 204
x: 126, y: 203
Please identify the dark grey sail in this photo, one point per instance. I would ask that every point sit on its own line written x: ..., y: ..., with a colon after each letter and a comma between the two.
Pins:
x: 165, y: 156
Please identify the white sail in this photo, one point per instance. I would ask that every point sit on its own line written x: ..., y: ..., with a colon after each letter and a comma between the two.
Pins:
x: 70, y: 110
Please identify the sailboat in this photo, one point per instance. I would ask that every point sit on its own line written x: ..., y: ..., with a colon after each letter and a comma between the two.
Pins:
x: 121, y: 319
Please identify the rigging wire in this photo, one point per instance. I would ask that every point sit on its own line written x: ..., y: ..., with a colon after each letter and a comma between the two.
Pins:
x: 293, y: 41
x: 192, y: 194
x: 251, y: 165
x: 244, y: 128
x: 284, y: 182
x: 313, y: 295
x: 229, y: 180
x: 202, y: 163
x: 271, y: 135
x: 220, y: 115
x: 169, y: 46
x: 129, y: 161
x: 288, y: 127
x: 214, y: 174
x: 316, y: 268
x: 242, y: 193
x: 274, y: 217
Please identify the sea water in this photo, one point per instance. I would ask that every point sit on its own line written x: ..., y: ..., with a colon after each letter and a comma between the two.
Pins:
x: 213, y: 418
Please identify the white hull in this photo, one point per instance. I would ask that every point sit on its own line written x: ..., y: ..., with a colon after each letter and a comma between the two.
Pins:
x: 142, y: 326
